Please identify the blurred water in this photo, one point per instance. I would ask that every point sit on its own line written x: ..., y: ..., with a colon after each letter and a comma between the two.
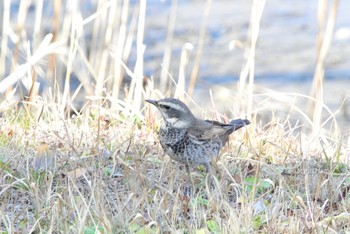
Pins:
x: 285, y: 53
x: 286, y: 48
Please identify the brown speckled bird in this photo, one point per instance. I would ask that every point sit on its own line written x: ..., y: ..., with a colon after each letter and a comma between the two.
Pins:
x: 190, y: 140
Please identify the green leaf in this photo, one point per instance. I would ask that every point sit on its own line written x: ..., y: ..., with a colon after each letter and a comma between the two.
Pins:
x: 200, y: 231
x: 260, y: 185
x: 93, y: 230
x: 133, y: 227
x: 154, y: 159
x: 257, y: 223
x: 146, y: 230
x: 213, y: 226
x: 340, y: 168
x: 201, y: 200
x: 266, y: 184
x: 107, y: 171
x: 89, y: 230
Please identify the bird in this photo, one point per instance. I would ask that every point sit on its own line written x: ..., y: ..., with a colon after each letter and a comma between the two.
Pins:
x: 190, y: 140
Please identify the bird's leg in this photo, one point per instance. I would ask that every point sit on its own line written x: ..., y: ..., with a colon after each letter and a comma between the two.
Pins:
x: 211, y: 180
x: 208, y: 168
x: 216, y: 168
x: 188, y: 169
x: 189, y: 174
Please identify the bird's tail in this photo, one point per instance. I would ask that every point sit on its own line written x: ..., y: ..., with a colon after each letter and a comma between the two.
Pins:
x: 239, y: 123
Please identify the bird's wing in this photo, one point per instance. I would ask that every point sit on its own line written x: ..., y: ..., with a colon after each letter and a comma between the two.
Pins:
x: 208, y: 129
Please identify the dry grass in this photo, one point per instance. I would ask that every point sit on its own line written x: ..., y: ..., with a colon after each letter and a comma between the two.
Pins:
x: 97, y: 167
x: 99, y: 171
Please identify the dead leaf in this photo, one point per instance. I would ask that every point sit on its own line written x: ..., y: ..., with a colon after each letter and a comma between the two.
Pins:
x: 44, y: 158
x: 77, y: 174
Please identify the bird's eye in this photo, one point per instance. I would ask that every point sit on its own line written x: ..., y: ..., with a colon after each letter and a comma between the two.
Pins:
x: 164, y: 107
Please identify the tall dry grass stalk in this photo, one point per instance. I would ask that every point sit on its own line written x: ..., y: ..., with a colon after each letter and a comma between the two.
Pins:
x: 248, y: 70
x: 74, y: 22
x: 136, y: 88
x: 164, y: 79
x: 323, y: 42
x: 4, y: 37
x: 120, y: 41
x: 22, y: 13
x: 38, y: 21
x: 200, y: 46
x: 180, y: 87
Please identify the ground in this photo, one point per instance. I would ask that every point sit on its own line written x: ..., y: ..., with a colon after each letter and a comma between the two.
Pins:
x: 97, y: 172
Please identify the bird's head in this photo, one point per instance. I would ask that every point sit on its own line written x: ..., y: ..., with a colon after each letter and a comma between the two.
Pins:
x: 174, y: 112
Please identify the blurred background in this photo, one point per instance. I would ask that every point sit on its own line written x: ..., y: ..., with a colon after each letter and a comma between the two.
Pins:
x: 261, y: 54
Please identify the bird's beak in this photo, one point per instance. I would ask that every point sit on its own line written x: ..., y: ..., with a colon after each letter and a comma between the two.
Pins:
x: 152, y: 102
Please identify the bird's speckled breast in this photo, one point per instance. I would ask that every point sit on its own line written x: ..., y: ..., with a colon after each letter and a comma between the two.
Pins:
x: 185, y: 149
